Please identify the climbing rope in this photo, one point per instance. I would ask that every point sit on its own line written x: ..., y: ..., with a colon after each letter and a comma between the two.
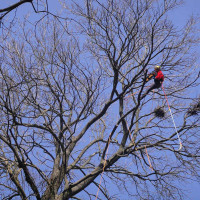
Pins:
x: 104, y: 165
x: 137, y: 149
x: 150, y: 166
x: 180, y: 147
x: 109, y: 139
x: 132, y: 94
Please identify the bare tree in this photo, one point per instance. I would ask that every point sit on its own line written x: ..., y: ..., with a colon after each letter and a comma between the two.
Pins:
x: 11, y: 11
x: 71, y: 104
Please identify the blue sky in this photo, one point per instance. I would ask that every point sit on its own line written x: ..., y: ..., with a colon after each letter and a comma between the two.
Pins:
x: 179, y: 17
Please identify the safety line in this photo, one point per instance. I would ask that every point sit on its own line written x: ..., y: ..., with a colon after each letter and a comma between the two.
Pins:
x: 135, y: 93
x: 131, y: 95
x: 150, y: 166
x: 137, y: 149
x: 134, y: 142
x: 104, y: 165
x: 109, y: 139
x: 173, y: 119
x: 132, y: 137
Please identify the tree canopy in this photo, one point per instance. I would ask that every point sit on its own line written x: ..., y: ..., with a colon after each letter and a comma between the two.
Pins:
x: 71, y: 103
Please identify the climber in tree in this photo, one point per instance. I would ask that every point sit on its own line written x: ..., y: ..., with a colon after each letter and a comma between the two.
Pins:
x: 158, y: 79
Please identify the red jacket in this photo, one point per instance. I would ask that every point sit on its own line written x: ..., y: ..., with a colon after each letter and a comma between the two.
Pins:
x: 160, y: 76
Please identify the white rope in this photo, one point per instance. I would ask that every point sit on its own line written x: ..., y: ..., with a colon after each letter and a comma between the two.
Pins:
x: 180, y: 147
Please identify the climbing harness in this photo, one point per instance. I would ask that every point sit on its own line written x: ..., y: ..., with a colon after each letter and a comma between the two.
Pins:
x: 180, y: 147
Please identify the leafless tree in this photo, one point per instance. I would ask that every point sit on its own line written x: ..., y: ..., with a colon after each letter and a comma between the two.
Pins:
x: 71, y: 105
x: 11, y: 11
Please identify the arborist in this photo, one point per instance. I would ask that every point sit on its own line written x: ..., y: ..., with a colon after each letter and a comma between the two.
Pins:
x: 158, y: 79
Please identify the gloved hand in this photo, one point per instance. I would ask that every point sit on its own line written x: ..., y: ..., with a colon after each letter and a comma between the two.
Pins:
x: 150, y: 76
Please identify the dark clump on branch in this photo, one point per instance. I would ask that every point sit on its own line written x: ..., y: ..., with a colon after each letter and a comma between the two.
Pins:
x: 194, y: 110
x: 159, y: 112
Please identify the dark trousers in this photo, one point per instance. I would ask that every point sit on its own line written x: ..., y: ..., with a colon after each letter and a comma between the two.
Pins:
x: 157, y: 84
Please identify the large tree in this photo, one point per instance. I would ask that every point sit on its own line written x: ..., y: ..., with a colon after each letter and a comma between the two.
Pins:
x: 71, y: 105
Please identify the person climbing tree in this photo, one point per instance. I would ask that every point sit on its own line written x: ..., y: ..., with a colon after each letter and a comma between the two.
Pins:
x: 158, y: 79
